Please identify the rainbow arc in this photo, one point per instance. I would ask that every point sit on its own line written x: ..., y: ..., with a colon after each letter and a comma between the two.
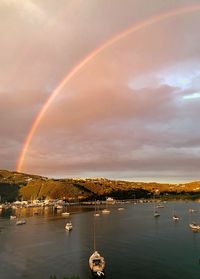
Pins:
x: 137, y: 27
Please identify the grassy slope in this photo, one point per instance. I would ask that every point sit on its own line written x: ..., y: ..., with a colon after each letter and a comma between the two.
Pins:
x: 14, y: 185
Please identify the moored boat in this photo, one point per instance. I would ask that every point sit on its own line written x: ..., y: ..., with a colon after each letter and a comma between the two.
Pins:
x: 194, y: 227
x: 160, y: 206
x: 21, y: 222
x: 191, y: 210
x: 175, y: 218
x: 97, y: 264
x: 106, y: 211
x: 156, y: 214
x: 68, y: 226
x: 96, y: 261
x: 96, y: 212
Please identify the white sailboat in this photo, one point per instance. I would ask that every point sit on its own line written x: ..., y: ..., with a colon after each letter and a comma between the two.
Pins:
x: 21, y: 222
x: 175, y: 217
x: 120, y: 208
x: 96, y: 261
x: 96, y: 213
x: 195, y: 227
x: 65, y: 213
x: 68, y: 226
x: 156, y: 213
x: 106, y: 210
x: 160, y: 206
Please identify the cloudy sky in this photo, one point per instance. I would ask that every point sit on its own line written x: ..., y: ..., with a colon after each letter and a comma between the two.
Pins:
x: 131, y: 112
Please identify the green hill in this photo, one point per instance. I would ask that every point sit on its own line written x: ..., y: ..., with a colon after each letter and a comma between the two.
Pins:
x: 14, y: 185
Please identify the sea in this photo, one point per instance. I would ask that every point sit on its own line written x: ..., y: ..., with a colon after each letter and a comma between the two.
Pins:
x: 134, y: 243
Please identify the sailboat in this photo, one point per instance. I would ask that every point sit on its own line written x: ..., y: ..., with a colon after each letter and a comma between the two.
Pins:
x: 160, y: 205
x: 175, y: 217
x: 96, y: 214
x: 68, y: 226
x: 96, y: 261
x: 20, y: 221
x: 65, y: 213
x: 106, y: 210
x: 156, y: 213
x: 194, y: 226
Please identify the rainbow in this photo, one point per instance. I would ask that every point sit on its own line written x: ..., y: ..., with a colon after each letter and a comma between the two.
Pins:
x: 86, y: 60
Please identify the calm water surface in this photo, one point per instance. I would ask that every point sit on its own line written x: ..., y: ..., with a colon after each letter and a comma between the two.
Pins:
x: 134, y: 243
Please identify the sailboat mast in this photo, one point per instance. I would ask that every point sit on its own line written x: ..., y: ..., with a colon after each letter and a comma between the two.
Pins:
x: 94, y: 234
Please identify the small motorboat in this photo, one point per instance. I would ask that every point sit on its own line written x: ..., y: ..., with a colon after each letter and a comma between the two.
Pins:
x: 68, y: 226
x: 97, y: 264
x: 21, y: 222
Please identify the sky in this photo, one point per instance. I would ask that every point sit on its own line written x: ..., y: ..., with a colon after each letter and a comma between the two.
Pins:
x: 131, y: 112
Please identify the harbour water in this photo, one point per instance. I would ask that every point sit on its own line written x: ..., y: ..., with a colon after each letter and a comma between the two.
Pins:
x: 133, y: 242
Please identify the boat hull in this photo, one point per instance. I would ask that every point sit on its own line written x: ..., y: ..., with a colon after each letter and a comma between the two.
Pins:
x: 195, y: 227
x: 96, y: 275
x: 105, y: 211
x: 20, y: 222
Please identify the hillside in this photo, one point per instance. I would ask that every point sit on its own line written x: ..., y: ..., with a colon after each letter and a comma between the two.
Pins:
x: 14, y: 185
